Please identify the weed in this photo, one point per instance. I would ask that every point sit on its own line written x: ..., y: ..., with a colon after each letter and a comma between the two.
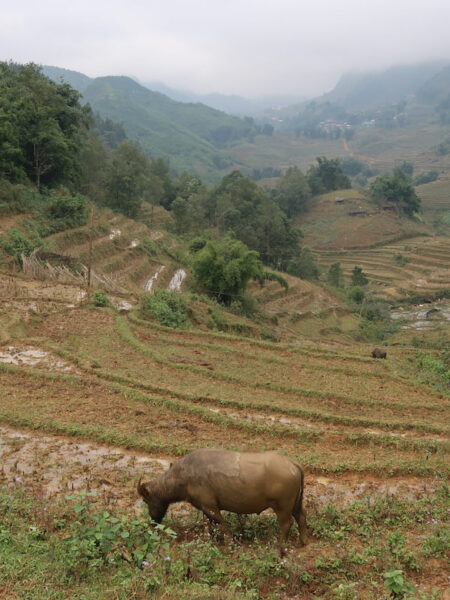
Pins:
x: 437, y: 543
x: 99, y: 538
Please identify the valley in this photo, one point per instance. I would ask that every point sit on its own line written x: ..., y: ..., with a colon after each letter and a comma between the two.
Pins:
x: 120, y: 352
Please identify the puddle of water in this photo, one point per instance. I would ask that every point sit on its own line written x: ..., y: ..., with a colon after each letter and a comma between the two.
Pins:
x: 424, y: 316
x: 149, y: 285
x: 32, y: 357
x: 121, y: 305
x: 176, y: 281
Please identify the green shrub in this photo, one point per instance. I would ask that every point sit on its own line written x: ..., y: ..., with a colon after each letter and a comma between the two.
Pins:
x: 67, y: 211
x: 376, y: 331
x: 400, y: 260
x: 356, y: 294
x: 99, y: 538
x: 100, y: 299
x: 149, y: 247
x: 170, y: 308
x: 435, y: 370
x: 17, y: 243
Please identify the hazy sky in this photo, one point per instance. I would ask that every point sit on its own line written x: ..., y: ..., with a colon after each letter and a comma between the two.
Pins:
x: 247, y: 47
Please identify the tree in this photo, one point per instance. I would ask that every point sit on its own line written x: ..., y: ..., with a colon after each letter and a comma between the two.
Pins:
x: 304, y: 265
x: 292, y: 192
x: 127, y: 179
x: 398, y: 190
x: 224, y: 268
x: 42, y: 126
x: 335, y: 275
x: 358, y: 277
x: 240, y: 206
x: 327, y: 176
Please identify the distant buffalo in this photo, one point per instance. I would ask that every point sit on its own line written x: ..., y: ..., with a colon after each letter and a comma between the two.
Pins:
x: 377, y: 353
x: 240, y: 482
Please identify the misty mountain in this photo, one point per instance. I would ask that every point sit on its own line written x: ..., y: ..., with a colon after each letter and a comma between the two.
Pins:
x: 437, y: 88
x: 230, y: 103
x: 77, y: 80
x: 360, y: 91
x: 191, y: 135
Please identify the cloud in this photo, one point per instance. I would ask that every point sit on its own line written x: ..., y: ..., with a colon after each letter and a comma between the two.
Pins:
x: 247, y: 46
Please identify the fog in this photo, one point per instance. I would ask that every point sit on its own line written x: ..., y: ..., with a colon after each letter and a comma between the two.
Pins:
x: 246, y: 47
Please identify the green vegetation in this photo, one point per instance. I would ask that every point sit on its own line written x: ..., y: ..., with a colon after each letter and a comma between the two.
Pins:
x: 79, y: 548
x: 398, y: 190
x: 224, y: 268
x: 169, y: 308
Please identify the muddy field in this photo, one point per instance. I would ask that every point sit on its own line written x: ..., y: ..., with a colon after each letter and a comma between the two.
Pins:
x: 58, y: 466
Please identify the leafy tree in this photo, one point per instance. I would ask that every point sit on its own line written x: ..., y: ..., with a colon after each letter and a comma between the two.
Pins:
x: 351, y: 166
x: 127, y: 178
x: 304, y: 265
x: 358, y: 277
x: 240, y: 206
x: 224, y: 268
x: 327, y: 176
x: 335, y: 275
x: 160, y: 168
x: 42, y: 127
x: 407, y: 168
x: 292, y: 192
x: 398, y: 190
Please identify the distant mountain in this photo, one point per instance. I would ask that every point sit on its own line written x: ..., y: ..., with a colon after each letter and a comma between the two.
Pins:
x: 437, y: 88
x: 191, y: 135
x: 360, y: 91
x: 229, y: 103
x: 77, y: 80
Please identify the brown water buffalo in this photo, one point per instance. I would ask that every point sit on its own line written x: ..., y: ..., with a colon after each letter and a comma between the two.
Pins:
x: 239, y: 482
x: 377, y: 353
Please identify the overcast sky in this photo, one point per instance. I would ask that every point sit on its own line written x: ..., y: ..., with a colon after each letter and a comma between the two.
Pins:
x: 246, y: 47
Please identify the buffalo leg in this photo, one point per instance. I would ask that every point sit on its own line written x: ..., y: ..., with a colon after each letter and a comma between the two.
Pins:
x: 300, y: 517
x: 214, y: 515
x: 285, y: 523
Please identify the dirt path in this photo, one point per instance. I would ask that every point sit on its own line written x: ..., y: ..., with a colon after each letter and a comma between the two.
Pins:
x: 57, y: 466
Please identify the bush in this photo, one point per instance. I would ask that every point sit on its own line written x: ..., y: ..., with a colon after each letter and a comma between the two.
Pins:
x: 304, y: 265
x: 400, y: 260
x: 356, y: 294
x: 100, y: 538
x: 148, y: 246
x: 359, y: 277
x: 100, y: 299
x: 17, y: 243
x: 170, y: 308
x: 67, y: 211
x: 426, y: 177
x: 335, y: 275
x: 376, y: 331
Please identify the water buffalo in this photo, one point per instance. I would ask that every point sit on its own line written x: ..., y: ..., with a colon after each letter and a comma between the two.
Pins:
x: 240, y: 482
x: 377, y: 353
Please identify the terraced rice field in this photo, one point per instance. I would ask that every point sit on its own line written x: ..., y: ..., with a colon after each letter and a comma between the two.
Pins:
x: 422, y: 266
x: 91, y: 398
